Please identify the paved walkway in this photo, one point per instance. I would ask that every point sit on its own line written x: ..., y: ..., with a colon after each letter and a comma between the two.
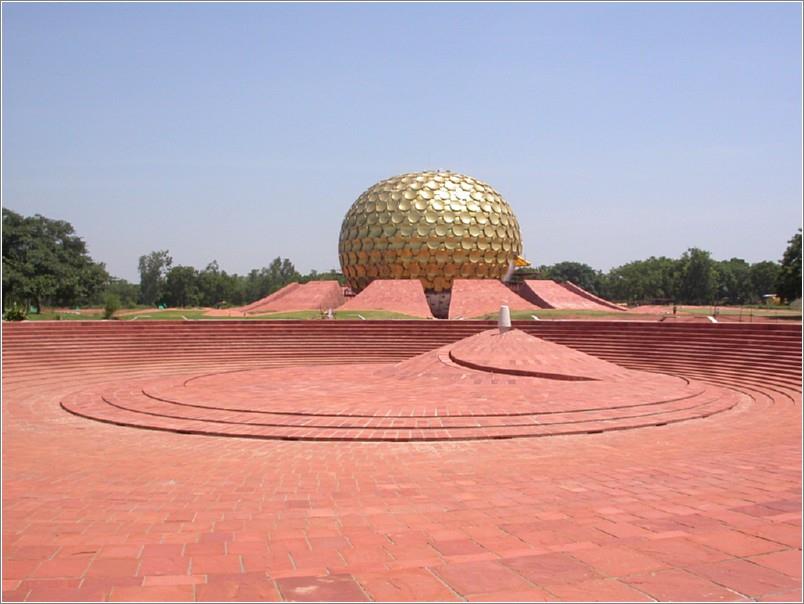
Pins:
x: 708, y: 509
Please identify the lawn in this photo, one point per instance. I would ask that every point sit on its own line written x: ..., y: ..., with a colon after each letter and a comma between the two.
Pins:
x: 762, y: 311
x: 557, y: 313
x: 84, y: 315
x: 198, y: 314
x: 340, y: 315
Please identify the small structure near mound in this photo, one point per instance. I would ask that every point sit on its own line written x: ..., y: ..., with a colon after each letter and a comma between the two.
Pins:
x: 404, y: 296
x: 475, y: 297
x: 313, y: 295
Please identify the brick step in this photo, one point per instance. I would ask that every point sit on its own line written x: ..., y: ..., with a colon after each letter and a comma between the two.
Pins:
x: 757, y: 346
x: 99, y: 410
x: 725, y: 369
x: 715, y: 375
x: 750, y: 363
x: 610, y: 329
x: 361, y: 334
x: 613, y: 335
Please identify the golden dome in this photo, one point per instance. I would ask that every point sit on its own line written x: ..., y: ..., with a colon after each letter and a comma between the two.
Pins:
x: 431, y: 226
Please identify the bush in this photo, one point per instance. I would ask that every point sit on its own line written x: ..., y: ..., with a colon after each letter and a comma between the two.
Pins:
x: 15, y: 312
x: 111, y: 306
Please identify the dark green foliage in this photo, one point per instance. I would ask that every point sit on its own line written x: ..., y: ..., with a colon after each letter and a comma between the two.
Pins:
x: 580, y: 274
x: 181, y: 287
x: 260, y: 283
x: 15, y: 312
x: 763, y: 276
x: 153, y: 272
x: 653, y: 280
x: 111, y: 305
x: 788, y: 285
x: 733, y: 282
x: 127, y: 293
x: 331, y: 275
x: 186, y: 286
x: 45, y: 262
x: 697, y: 277
x: 692, y: 279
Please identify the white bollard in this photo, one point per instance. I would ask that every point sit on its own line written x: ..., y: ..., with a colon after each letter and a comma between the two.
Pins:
x: 504, y: 322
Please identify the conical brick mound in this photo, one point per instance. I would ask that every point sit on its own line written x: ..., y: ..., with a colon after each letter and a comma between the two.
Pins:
x: 405, y: 296
x: 473, y: 298
x: 517, y: 353
x: 551, y: 294
x: 313, y: 295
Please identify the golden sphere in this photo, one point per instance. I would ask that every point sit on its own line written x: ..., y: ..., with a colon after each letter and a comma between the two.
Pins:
x: 431, y: 226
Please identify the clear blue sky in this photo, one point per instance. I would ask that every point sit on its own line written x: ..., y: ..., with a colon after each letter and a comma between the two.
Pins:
x: 244, y: 132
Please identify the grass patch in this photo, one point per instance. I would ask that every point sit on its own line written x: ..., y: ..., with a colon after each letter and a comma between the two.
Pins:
x: 168, y: 315
x: 345, y: 315
x: 745, y: 310
x: 85, y: 315
x: 557, y: 313
x: 374, y: 315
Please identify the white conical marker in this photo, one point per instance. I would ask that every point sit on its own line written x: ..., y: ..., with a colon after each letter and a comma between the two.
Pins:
x: 504, y: 322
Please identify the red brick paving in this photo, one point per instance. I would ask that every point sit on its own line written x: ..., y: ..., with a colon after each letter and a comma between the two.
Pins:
x: 404, y: 296
x: 699, y: 510
x: 520, y: 379
x: 598, y: 590
x: 681, y: 586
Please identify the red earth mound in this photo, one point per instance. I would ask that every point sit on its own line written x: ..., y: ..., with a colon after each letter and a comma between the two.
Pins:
x: 476, y: 297
x: 404, y: 296
x: 551, y: 294
x: 313, y: 295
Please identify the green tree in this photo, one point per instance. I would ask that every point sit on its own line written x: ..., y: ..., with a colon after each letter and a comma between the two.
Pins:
x: 697, y: 277
x: 153, y: 270
x: 647, y: 281
x: 580, y: 274
x: 261, y: 282
x: 764, y: 276
x: 45, y: 262
x: 212, y: 284
x: 330, y: 275
x: 788, y: 285
x: 110, y: 305
x: 181, y: 286
x: 127, y: 293
x: 733, y: 279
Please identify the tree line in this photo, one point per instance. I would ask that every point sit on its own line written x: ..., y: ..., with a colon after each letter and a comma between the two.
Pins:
x: 163, y: 283
x: 45, y: 263
x: 694, y: 278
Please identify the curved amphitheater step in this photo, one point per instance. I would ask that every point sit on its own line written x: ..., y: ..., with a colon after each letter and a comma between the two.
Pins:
x: 489, y: 385
x: 707, y: 509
